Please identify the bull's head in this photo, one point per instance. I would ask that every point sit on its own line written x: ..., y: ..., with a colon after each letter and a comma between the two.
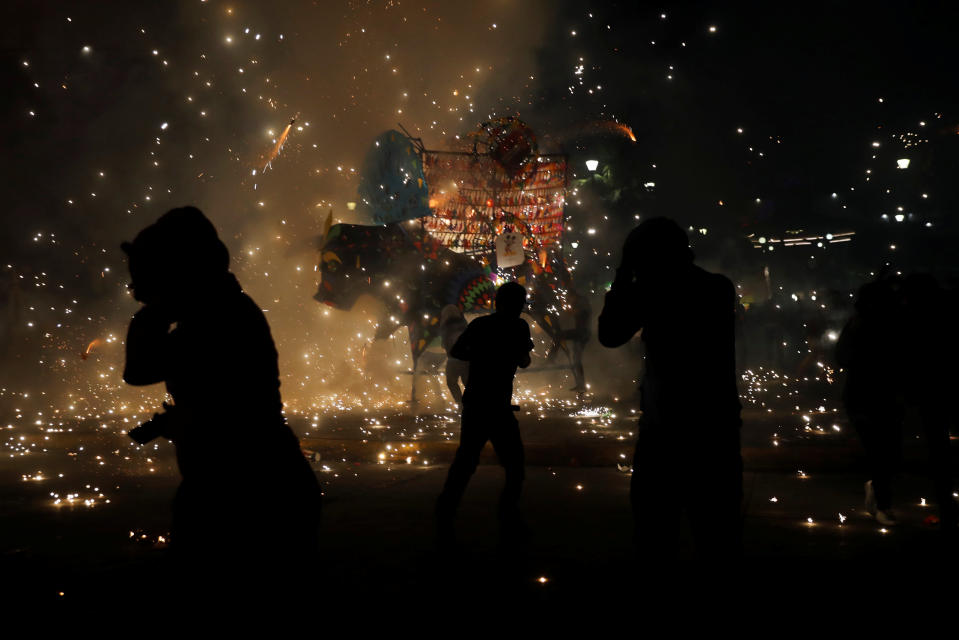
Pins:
x: 342, y: 279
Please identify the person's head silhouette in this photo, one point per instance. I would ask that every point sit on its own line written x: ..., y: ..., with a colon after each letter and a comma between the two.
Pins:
x: 657, y: 246
x: 176, y: 258
x: 511, y: 299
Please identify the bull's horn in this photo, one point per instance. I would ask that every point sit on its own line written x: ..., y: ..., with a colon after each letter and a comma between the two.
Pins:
x: 325, y: 230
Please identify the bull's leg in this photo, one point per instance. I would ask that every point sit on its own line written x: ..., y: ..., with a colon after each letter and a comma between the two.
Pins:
x: 576, y: 359
x: 417, y: 347
x: 413, y: 400
x: 569, y: 346
x: 550, y: 325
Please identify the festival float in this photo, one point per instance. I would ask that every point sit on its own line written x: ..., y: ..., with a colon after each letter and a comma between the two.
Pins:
x: 450, y: 226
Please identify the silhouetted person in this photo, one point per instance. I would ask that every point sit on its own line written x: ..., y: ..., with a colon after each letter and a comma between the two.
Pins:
x: 452, y: 326
x: 577, y: 337
x: 871, y: 350
x: 494, y: 345
x: 246, y: 513
x: 688, y: 452
x: 931, y: 357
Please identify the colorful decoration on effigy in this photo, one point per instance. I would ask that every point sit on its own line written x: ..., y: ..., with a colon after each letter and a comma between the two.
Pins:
x: 468, y: 209
x: 392, y: 185
x: 510, y: 143
x: 509, y: 250
x: 499, y: 207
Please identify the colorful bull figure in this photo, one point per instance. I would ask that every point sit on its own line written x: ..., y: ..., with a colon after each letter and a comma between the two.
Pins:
x: 416, y: 277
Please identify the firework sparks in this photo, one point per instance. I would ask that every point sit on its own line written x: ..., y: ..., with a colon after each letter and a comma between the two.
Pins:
x: 90, y: 347
x: 278, y: 147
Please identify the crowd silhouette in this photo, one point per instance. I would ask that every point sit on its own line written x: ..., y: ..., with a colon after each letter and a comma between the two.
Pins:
x: 208, y: 342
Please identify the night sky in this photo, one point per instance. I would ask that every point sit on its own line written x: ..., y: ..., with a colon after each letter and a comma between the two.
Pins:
x: 769, y: 109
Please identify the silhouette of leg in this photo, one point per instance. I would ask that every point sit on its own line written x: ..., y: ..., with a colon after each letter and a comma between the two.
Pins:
x: 656, y: 497
x: 576, y: 358
x: 509, y: 449
x: 504, y: 435
x: 473, y: 437
x: 881, y: 437
x: 935, y: 426
x: 715, y: 502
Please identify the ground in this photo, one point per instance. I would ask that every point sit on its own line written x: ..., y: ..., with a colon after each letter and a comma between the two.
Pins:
x: 103, y: 539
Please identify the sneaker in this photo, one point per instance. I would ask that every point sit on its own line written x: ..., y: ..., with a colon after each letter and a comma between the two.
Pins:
x: 886, y: 517
x: 870, y: 506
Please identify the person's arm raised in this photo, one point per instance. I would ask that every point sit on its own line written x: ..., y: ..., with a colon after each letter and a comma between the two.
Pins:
x: 146, y: 347
x: 620, y: 318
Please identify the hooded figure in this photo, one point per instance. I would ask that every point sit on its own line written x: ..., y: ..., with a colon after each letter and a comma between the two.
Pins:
x: 249, y: 502
x: 688, y: 452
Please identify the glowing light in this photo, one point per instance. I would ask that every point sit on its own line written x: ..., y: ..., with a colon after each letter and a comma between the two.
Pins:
x: 902, y: 163
x: 592, y: 165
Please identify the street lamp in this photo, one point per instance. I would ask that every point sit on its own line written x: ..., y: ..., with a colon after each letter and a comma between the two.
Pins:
x: 592, y: 165
x: 902, y: 163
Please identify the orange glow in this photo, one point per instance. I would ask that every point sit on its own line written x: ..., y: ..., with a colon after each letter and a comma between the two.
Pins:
x: 93, y: 343
x: 278, y: 146
x: 626, y: 130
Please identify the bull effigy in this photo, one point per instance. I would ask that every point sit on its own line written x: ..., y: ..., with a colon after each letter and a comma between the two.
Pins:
x: 451, y: 226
